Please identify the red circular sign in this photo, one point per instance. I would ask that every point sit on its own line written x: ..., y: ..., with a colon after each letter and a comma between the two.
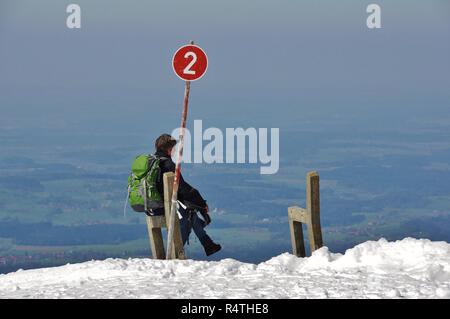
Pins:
x: 190, y: 62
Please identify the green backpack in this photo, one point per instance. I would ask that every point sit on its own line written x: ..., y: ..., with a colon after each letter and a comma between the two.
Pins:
x: 145, y: 175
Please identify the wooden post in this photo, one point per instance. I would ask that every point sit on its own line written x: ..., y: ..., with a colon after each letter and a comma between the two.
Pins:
x: 156, y: 240
x: 296, y: 228
x: 309, y: 216
x: 177, y: 252
x: 313, y: 209
x: 156, y: 223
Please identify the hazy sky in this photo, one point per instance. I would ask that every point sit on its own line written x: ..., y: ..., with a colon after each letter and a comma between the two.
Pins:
x: 268, y: 56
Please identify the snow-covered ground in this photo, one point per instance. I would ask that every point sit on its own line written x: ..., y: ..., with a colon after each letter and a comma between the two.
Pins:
x: 409, y: 268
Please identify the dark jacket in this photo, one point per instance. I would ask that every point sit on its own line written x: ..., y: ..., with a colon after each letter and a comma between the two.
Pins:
x: 186, y: 193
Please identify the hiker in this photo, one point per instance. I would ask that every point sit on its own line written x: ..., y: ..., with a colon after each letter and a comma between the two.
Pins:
x: 190, y: 202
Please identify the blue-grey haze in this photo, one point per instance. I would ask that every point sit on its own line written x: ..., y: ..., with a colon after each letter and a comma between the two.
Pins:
x: 370, y: 109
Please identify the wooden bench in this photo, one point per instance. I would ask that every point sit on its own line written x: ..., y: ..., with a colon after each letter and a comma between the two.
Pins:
x: 309, y: 216
x: 156, y: 223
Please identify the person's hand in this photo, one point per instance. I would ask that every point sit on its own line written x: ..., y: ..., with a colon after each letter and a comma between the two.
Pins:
x: 205, y: 215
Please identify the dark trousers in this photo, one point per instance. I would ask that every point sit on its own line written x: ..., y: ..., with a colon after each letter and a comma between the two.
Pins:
x: 190, y: 221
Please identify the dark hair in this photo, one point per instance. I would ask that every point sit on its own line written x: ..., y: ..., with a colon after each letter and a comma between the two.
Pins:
x: 165, y: 142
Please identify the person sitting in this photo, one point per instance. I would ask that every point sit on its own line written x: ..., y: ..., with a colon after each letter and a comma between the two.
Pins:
x: 190, y: 202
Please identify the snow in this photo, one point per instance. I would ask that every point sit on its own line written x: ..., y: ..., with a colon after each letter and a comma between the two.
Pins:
x: 410, y: 268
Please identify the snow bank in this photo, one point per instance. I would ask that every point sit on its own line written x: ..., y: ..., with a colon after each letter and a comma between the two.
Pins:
x: 410, y: 268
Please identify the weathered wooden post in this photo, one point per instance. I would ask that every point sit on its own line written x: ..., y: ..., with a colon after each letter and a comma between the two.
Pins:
x: 296, y: 228
x: 156, y: 223
x: 309, y: 216
x: 313, y: 209
x: 177, y: 251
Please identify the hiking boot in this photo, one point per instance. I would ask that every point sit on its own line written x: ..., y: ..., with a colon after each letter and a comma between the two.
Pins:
x: 210, y: 246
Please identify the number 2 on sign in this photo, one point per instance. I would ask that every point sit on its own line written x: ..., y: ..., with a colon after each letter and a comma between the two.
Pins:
x: 187, y: 69
x: 189, y: 62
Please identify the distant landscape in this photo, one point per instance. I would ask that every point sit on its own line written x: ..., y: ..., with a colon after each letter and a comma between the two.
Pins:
x: 63, y: 202
x: 366, y: 108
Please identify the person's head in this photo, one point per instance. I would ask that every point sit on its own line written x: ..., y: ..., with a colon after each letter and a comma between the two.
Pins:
x: 165, y: 143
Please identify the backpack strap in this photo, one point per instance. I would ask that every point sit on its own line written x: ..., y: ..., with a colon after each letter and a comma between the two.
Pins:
x: 144, y: 184
x: 161, y: 158
x: 151, y: 159
x: 126, y: 202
